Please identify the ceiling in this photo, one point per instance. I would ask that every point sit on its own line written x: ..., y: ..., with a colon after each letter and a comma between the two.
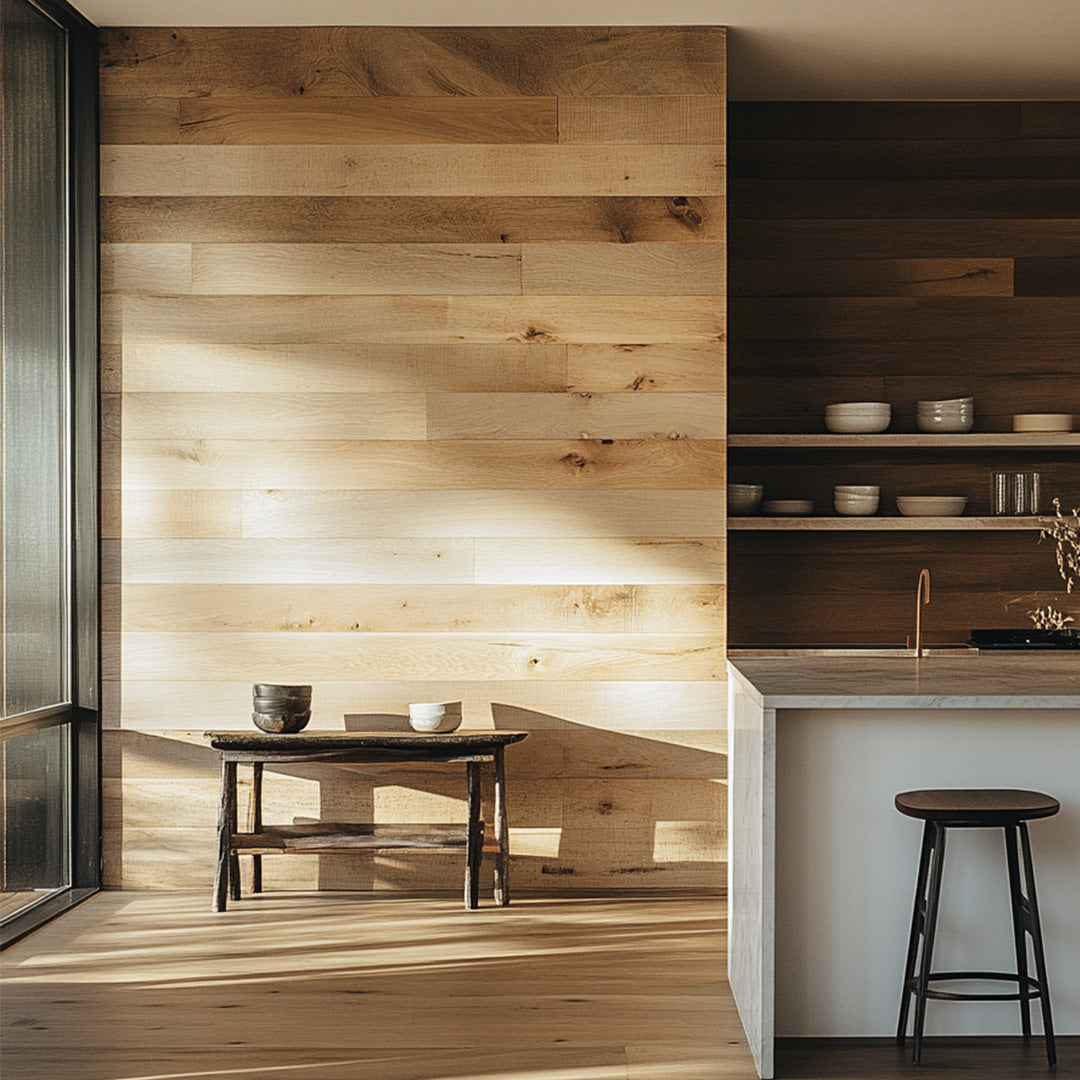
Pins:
x: 778, y: 49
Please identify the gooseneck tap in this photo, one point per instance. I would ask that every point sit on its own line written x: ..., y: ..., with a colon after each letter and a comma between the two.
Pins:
x: 922, y: 596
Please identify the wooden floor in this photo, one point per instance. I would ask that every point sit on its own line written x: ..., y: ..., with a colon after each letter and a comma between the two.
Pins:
x: 336, y: 986
x: 339, y: 986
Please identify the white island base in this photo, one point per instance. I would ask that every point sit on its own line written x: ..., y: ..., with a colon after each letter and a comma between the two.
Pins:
x: 822, y: 867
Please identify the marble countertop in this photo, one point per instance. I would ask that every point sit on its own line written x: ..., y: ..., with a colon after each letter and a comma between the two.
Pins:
x: 948, y: 679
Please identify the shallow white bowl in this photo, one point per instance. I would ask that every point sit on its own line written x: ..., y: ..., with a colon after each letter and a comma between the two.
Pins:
x: 856, y: 423
x: 788, y: 507
x: 1043, y: 422
x: 841, y: 407
x: 931, y: 505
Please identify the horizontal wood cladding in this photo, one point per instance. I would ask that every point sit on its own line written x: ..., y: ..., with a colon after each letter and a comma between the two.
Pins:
x: 896, y: 238
x: 646, y: 560
x: 413, y: 374
x: 570, y: 169
x: 340, y: 608
x: 405, y: 219
x: 686, y: 713
x: 410, y: 62
x: 397, y: 465
x: 437, y: 320
x: 899, y: 252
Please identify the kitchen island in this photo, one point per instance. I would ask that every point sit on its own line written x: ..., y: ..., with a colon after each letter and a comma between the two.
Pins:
x: 821, y: 865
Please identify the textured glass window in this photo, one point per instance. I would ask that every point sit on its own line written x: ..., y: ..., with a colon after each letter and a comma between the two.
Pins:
x: 35, y: 530
x: 33, y: 770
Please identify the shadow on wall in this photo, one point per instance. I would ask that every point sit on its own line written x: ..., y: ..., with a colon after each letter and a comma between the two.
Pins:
x: 588, y: 808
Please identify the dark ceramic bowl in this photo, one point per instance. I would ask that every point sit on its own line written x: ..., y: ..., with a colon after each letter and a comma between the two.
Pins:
x: 273, y: 690
x: 280, y: 704
x: 281, y: 723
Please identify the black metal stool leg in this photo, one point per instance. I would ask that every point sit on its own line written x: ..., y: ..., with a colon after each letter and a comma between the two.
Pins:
x: 918, y: 912
x: 929, y: 930
x: 1016, y: 903
x: 1035, y: 928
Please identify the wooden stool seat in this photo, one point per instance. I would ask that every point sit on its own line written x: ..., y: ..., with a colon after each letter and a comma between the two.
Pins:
x: 967, y: 808
x: 976, y: 806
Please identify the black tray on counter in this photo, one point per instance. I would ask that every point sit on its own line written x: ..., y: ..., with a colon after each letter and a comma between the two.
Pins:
x: 1026, y: 639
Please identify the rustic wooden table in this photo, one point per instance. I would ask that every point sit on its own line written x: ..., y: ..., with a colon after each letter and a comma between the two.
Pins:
x: 471, y: 748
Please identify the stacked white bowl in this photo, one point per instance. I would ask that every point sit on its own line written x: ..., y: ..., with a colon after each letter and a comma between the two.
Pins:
x: 856, y: 500
x: 947, y: 415
x: 858, y: 417
x: 743, y: 499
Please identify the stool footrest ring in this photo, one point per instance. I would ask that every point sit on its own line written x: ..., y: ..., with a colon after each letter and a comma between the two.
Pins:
x: 1034, y: 990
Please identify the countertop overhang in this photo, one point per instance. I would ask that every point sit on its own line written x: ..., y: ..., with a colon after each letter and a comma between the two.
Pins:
x: 947, y: 679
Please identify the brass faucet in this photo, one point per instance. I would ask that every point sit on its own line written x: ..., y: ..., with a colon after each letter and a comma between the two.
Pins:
x: 922, y: 596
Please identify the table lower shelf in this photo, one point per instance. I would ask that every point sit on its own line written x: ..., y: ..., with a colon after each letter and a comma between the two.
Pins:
x: 343, y: 837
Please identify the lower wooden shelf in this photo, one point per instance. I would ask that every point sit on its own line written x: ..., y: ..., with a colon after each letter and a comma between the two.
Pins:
x: 332, y: 836
x: 885, y: 524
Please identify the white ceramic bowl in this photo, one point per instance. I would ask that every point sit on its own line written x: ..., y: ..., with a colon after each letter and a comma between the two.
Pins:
x: 1043, y: 422
x: 744, y: 498
x: 952, y: 415
x: 435, y: 716
x: 858, y: 417
x: 857, y: 489
x: 855, y: 505
x: 788, y: 507
x: 931, y: 505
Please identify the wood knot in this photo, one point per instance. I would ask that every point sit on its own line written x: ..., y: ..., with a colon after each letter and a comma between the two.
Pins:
x: 578, y: 461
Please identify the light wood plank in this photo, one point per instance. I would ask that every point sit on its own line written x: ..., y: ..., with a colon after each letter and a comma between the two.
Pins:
x: 671, y: 416
x: 672, y: 269
x: 515, y: 219
x: 281, y: 416
x: 562, y: 514
x: 606, y: 369
x: 451, y: 320
x: 154, y: 268
x: 330, y: 368
x: 657, y: 561
x: 687, y: 713
x: 139, y: 120
x: 171, y: 514
x: 403, y: 465
x: 290, y: 657
x: 396, y: 61
x: 351, y: 269
x: 411, y: 170
x: 357, y: 120
x: 638, y: 119
x: 343, y: 608
x: 280, y: 561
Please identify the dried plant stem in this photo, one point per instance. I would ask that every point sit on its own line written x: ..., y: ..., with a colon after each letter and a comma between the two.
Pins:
x: 1065, y: 532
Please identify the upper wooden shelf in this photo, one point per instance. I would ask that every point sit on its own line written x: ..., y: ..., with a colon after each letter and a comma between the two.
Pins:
x: 988, y: 440
x: 886, y: 524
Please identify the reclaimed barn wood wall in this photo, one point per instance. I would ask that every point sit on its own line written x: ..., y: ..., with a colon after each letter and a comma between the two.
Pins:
x: 413, y: 372
x: 897, y: 251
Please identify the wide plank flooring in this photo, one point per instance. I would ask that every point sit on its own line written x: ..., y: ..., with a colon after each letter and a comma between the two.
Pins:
x: 339, y: 986
x: 362, y: 986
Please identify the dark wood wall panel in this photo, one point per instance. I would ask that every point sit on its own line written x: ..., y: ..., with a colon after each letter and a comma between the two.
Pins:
x: 897, y: 252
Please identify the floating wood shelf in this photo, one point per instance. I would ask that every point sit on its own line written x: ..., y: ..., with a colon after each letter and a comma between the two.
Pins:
x: 885, y: 524
x: 988, y: 440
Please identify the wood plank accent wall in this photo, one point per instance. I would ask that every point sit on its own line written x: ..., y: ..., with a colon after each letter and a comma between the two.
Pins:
x: 895, y: 252
x: 414, y: 375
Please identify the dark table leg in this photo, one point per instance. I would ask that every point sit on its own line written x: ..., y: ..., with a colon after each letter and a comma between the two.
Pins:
x: 256, y: 823
x: 502, y: 834
x: 226, y: 825
x: 474, y: 848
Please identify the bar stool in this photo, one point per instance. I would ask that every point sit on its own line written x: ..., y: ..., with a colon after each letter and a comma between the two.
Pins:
x: 941, y: 810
